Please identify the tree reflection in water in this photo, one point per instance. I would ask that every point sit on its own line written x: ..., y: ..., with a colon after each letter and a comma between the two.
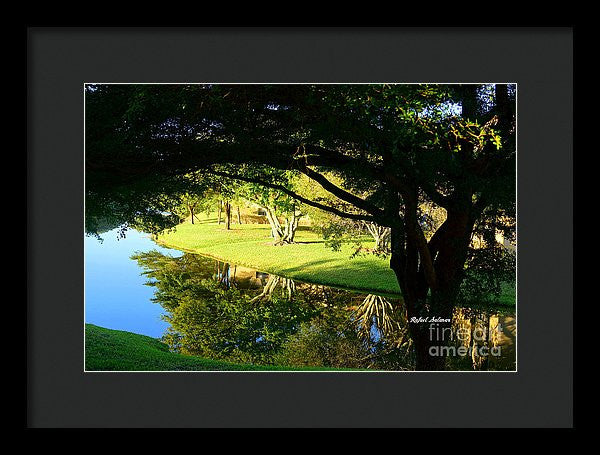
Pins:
x: 224, y: 311
x: 493, y: 332
x: 273, y: 281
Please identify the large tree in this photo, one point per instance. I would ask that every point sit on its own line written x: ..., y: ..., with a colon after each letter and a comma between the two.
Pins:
x: 397, y: 146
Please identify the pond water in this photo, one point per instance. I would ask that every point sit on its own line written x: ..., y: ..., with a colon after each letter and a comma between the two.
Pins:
x: 202, y: 306
x: 115, y: 295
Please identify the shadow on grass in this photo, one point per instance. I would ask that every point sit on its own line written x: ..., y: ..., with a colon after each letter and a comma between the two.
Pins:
x: 303, y: 266
x: 310, y: 241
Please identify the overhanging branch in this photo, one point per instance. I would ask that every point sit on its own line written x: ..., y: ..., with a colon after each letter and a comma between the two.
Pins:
x: 283, y: 189
x: 341, y: 193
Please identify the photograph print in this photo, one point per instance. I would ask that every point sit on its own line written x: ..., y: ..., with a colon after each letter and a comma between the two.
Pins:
x: 340, y: 228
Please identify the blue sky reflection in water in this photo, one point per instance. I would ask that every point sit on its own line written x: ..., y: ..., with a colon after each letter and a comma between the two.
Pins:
x: 115, y: 295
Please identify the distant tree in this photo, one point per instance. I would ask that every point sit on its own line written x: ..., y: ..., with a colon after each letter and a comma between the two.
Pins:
x: 190, y: 204
x: 282, y: 211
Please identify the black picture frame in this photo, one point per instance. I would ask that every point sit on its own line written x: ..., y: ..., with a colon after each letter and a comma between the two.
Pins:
x: 61, y: 60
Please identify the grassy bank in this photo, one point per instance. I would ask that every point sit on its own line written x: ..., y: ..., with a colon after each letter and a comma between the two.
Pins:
x: 116, y: 350
x: 308, y: 260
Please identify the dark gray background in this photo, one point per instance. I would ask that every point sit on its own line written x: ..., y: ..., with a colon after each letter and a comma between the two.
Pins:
x: 61, y: 395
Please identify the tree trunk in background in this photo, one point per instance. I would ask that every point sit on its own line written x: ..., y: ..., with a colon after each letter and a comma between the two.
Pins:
x: 276, y: 231
x: 227, y: 215
x: 282, y: 234
x: 192, y: 213
x: 381, y: 235
x: 291, y: 224
x: 219, y: 212
x: 239, y: 218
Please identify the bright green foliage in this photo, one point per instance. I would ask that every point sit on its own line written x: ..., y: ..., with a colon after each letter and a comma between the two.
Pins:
x: 210, y: 318
x: 220, y: 323
x: 222, y: 318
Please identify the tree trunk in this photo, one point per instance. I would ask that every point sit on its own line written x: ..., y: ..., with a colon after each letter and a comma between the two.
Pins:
x: 192, y: 213
x: 219, y: 212
x: 282, y: 234
x: 274, y: 223
x: 239, y: 218
x: 291, y: 224
x: 429, y: 351
x: 381, y: 236
x: 429, y: 275
x: 430, y: 339
x: 227, y: 215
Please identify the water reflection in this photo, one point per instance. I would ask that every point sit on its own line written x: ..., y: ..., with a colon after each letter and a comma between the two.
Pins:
x: 486, y: 332
x: 230, y: 312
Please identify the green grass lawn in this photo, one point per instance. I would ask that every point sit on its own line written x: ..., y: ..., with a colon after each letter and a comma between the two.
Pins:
x: 116, y: 350
x: 308, y: 260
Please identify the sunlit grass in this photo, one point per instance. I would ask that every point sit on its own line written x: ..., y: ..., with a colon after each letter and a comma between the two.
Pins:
x: 309, y: 260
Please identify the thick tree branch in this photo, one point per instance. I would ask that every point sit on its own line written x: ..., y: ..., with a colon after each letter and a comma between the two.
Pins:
x: 353, y: 216
x: 436, y: 196
x: 341, y: 193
